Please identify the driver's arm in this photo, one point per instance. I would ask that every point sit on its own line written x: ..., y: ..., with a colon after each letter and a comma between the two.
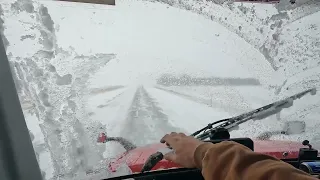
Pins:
x: 231, y: 161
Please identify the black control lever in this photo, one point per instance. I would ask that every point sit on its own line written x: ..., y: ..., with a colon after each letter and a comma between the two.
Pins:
x: 307, y: 154
x: 152, y: 161
x: 306, y: 143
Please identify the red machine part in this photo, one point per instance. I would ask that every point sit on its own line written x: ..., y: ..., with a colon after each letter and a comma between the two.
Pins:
x: 136, y: 158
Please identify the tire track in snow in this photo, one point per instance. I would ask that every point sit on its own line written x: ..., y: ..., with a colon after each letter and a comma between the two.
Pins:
x: 207, y: 102
x: 97, y: 91
x: 146, y: 123
x: 109, y: 101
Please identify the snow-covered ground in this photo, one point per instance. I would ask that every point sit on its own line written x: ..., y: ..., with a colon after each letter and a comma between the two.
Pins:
x: 84, y: 69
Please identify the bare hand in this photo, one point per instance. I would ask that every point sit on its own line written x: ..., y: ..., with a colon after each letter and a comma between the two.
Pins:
x: 184, y: 148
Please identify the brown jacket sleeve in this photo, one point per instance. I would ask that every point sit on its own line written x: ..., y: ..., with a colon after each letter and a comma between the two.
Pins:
x: 232, y: 161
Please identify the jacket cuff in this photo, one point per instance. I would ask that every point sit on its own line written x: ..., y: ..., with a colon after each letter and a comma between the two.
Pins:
x: 200, y: 152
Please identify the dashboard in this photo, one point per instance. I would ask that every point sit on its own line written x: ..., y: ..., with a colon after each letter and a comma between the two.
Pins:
x: 307, y: 161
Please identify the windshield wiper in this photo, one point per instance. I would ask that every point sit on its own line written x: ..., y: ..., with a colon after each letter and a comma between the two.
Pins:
x: 229, y: 123
x: 259, y: 113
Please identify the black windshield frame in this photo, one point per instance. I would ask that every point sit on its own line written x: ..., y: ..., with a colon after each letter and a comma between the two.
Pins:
x: 17, y: 157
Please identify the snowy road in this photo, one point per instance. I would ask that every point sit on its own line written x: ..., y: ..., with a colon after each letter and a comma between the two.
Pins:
x: 146, y: 122
x: 143, y: 114
x: 185, y: 113
x: 149, y: 112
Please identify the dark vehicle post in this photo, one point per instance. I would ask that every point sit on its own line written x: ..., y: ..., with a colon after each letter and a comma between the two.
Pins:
x: 17, y: 157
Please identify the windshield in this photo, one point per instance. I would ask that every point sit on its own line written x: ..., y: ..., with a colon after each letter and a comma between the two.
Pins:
x: 140, y: 69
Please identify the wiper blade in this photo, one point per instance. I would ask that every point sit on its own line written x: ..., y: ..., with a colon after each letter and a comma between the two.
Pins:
x: 259, y: 113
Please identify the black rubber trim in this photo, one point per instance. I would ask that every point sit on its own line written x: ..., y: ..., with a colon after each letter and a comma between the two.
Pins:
x: 161, y: 174
x: 181, y: 173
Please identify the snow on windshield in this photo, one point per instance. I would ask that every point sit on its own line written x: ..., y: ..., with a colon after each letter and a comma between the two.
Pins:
x: 141, y: 69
